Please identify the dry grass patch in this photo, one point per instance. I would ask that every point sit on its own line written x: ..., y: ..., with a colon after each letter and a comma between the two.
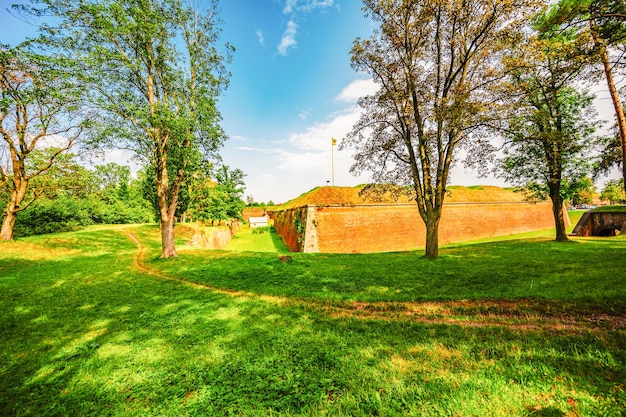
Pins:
x: 326, y: 196
x: 26, y: 250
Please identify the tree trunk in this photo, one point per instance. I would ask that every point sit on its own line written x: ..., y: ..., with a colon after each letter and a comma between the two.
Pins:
x: 167, y: 209
x: 8, y: 224
x: 13, y: 205
x: 557, y: 211
x: 432, y: 238
x: 617, y: 104
x: 168, y: 247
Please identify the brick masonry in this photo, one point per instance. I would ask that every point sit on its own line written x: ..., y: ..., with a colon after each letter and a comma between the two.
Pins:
x: 398, y: 227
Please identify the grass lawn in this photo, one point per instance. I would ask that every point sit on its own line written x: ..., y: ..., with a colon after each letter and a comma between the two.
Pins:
x: 262, y: 239
x: 91, y: 326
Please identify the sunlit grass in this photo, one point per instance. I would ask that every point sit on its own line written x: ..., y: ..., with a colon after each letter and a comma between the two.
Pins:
x: 91, y: 334
x: 262, y: 239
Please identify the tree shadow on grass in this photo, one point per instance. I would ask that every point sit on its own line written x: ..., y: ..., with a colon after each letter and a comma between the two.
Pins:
x: 139, y: 345
x: 279, y: 244
x: 96, y: 337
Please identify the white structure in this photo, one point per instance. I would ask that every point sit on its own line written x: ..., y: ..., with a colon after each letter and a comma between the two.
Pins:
x: 259, y: 221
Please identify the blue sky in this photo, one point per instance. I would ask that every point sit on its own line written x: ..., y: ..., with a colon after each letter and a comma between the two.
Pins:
x: 292, y: 89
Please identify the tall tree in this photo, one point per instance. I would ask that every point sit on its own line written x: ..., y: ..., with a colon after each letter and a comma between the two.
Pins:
x: 613, y: 191
x: 437, y: 63
x: 231, y: 183
x: 40, y: 120
x: 553, y: 123
x: 220, y: 199
x: 155, y: 74
x: 579, y: 191
x: 605, y: 22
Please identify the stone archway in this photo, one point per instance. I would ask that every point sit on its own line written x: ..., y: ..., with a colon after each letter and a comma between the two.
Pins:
x: 608, y: 232
x: 601, y: 223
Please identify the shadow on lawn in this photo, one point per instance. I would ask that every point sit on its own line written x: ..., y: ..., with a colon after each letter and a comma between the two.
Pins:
x: 135, y: 345
x: 97, y: 337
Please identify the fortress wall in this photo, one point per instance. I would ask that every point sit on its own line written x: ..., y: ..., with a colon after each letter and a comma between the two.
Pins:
x: 398, y: 227
x: 363, y: 229
x: 286, y: 225
x: 252, y: 212
x: 462, y: 222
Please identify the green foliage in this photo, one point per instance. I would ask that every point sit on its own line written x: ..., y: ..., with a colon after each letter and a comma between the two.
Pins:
x: 579, y: 192
x: 603, y: 24
x: 57, y: 215
x: 217, y: 200
x: 550, y: 131
x: 154, y: 74
x: 147, y: 178
x: 81, y: 197
x: 606, y: 17
x: 613, y: 191
x: 544, y: 149
x: 299, y: 222
x: 41, y: 119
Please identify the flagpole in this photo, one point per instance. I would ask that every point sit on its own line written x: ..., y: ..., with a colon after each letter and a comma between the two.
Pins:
x: 332, y: 154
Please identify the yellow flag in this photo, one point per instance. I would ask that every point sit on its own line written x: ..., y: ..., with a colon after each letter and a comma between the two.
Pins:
x: 334, y: 141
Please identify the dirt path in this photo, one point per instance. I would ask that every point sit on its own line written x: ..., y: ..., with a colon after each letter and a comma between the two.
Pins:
x: 525, y: 315
x: 139, y: 264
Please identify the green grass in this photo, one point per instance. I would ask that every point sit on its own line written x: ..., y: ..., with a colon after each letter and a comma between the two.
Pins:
x: 262, y: 239
x: 614, y: 209
x: 84, y: 332
x: 574, y: 217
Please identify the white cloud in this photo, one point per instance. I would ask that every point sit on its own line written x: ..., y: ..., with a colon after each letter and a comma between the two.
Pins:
x: 289, y: 38
x: 259, y: 35
x: 49, y: 141
x: 287, y: 168
x: 304, y: 115
x: 318, y: 137
x: 254, y: 150
x: 309, y: 5
x: 293, y: 8
x: 290, y: 5
x: 239, y: 138
x: 302, y: 162
x: 357, y: 89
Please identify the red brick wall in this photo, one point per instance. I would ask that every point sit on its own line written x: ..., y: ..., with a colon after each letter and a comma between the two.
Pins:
x: 286, y: 227
x: 252, y: 212
x: 386, y: 228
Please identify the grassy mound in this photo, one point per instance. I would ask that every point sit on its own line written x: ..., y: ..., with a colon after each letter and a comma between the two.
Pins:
x: 326, y: 196
x: 610, y: 209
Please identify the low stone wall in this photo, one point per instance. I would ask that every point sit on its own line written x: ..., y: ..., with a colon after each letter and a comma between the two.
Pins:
x: 214, y: 237
x: 398, y: 227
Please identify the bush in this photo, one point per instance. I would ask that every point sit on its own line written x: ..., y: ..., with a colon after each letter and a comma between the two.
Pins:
x: 49, y: 216
x: 67, y: 213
